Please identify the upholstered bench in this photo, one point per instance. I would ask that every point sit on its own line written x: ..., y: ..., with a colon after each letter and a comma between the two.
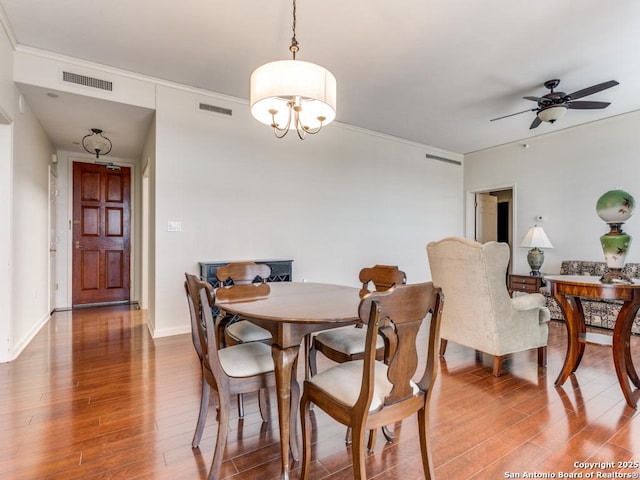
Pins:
x: 597, y: 313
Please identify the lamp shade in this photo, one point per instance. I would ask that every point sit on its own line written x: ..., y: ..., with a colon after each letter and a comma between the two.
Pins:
x: 536, y: 238
x: 553, y: 113
x: 274, y: 85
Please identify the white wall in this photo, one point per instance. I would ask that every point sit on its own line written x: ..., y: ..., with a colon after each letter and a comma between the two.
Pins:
x: 30, y: 210
x: 333, y: 203
x: 6, y: 201
x: 561, y: 176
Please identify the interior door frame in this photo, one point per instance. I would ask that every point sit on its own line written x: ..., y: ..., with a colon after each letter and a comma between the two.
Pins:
x: 470, y: 218
x: 133, y: 237
x: 53, y: 238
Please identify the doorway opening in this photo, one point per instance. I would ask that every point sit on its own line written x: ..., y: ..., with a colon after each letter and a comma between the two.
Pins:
x: 490, y: 216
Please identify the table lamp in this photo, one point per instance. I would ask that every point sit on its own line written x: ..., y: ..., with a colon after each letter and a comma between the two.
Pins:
x: 536, y: 239
x: 615, y: 207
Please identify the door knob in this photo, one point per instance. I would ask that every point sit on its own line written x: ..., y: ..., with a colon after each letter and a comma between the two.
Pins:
x: 78, y: 245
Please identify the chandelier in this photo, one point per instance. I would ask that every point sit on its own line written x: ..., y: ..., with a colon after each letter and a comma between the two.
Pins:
x: 291, y: 94
x: 96, y: 142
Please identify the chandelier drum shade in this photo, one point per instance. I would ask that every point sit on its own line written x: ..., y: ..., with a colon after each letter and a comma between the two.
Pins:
x: 295, y: 88
x: 293, y: 95
x: 96, y: 143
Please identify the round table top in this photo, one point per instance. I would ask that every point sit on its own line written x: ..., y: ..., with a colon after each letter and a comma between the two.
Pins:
x: 297, y: 302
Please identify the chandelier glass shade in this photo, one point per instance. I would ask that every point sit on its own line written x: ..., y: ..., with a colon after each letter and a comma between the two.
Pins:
x: 96, y: 143
x: 553, y: 113
x: 292, y: 94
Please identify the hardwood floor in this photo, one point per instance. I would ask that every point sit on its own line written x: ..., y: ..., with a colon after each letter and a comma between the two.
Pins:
x: 93, y: 397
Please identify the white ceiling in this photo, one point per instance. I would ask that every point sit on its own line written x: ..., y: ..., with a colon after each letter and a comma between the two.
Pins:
x: 430, y: 71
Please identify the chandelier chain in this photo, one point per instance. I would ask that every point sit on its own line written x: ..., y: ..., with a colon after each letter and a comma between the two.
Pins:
x: 294, y: 43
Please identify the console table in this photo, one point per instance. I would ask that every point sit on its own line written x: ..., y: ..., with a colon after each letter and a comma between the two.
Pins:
x: 568, y: 290
x: 281, y: 271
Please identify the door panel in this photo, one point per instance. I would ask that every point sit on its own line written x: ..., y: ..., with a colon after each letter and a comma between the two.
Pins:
x: 101, y: 234
x: 486, y: 217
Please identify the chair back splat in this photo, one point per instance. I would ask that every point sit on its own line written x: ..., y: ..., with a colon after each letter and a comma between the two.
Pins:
x: 382, y: 277
x: 242, y: 281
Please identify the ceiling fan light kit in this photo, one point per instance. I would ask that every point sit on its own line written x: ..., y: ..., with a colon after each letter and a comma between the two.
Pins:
x: 552, y: 113
x: 554, y: 105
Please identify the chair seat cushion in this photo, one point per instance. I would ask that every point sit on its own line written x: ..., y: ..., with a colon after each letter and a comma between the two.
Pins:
x: 343, y: 382
x: 348, y: 340
x: 246, y: 359
x: 244, y: 331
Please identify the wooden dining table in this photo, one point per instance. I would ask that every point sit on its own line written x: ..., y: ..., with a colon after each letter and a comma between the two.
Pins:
x: 568, y: 290
x: 291, y: 311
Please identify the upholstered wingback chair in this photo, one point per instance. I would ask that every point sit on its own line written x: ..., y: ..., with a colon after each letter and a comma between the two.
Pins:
x: 478, y: 312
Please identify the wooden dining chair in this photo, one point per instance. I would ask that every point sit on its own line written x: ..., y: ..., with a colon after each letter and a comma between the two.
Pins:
x: 233, y: 370
x: 366, y: 394
x: 237, y: 284
x: 345, y: 344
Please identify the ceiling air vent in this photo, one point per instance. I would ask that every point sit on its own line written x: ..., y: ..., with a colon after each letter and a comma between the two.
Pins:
x: 87, y: 81
x: 442, y: 159
x: 212, y: 108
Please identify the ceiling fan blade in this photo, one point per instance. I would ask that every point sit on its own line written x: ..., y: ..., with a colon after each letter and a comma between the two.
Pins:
x: 533, y: 99
x: 587, y: 105
x: 512, y: 114
x: 535, y: 123
x: 593, y: 89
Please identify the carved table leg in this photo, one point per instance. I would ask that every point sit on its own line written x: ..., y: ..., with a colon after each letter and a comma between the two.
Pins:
x: 284, y: 361
x: 622, y: 353
x: 572, y: 312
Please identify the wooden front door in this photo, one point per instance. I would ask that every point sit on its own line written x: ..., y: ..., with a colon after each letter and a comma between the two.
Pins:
x: 101, y: 233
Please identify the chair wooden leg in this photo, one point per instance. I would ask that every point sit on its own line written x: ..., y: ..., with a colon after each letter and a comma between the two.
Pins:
x: 388, y: 434
x: 443, y: 346
x: 311, y: 367
x: 358, y: 453
x: 347, y: 436
x: 371, y: 443
x: 221, y: 439
x: 305, y: 412
x: 542, y: 356
x: 202, y: 414
x: 240, y: 406
x: 263, y: 404
x: 497, y: 365
x: 425, y: 445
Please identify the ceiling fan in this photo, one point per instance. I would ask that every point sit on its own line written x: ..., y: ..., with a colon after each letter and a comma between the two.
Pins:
x: 554, y: 104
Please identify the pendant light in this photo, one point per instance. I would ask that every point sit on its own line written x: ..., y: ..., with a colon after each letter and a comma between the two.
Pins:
x: 292, y: 94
